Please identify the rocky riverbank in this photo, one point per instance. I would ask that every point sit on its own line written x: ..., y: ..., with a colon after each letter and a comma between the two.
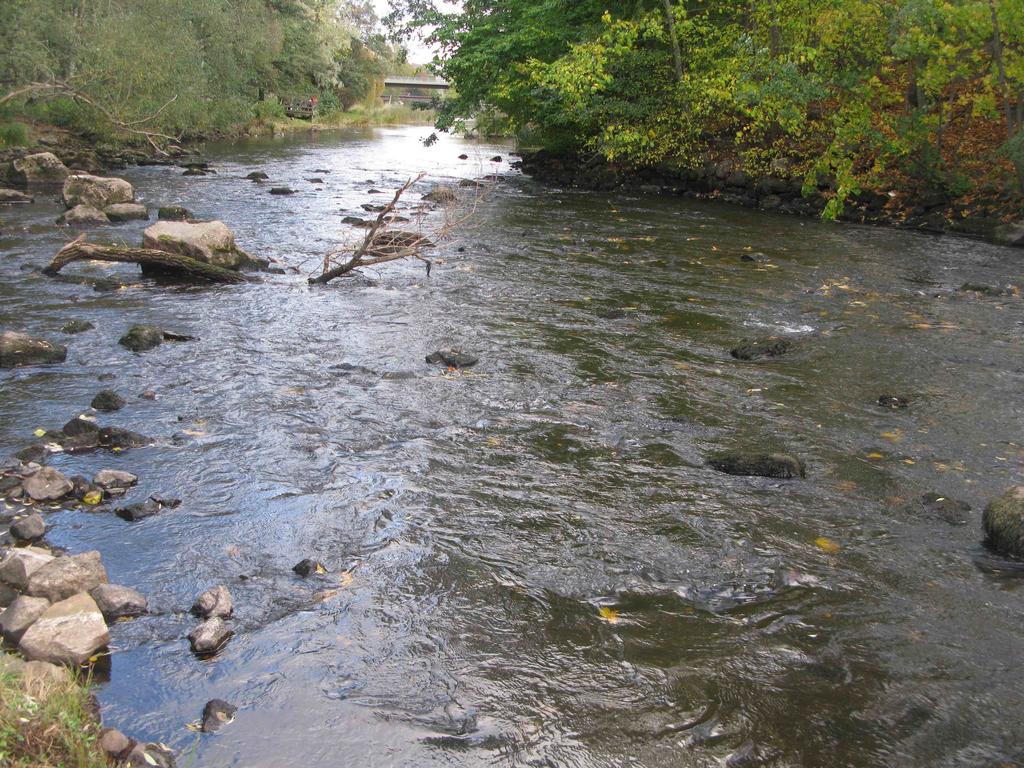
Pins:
x: 997, y: 219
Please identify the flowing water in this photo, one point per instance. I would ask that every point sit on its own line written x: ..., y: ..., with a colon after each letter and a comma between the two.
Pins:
x: 528, y: 563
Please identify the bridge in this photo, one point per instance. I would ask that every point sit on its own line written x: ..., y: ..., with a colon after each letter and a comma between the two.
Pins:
x: 406, y: 81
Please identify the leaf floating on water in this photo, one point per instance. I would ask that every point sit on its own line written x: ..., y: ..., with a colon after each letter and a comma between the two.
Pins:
x: 39, y: 432
x: 826, y: 545
x: 92, y: 498
x: 195, y: 725
x: 875, y: 456
x: 320, y: 568
x: 895, y: 435
x: 608, y: 614
x: 150, y: 759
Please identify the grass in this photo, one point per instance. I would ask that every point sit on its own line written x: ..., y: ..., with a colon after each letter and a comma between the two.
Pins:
x: 51, y: 725
x: 358, y: 116
x: 13, y: 134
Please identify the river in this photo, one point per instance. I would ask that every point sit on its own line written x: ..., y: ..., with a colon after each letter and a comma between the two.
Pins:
x: 528, y: 563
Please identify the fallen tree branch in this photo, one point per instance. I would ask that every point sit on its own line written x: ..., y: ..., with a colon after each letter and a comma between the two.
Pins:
x: 79, y: 250
x: 366, y: 247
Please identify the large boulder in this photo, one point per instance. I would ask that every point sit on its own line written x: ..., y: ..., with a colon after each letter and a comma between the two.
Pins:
x: 68, y: 633
x: 1003, y: 521
x: 210, y: 242
x: 18, y: 565
x: 97, y: 191
x: 20, y: 615
x: 117, y: 602
x: 66, y: 576
x: 20, y: 349
x: 43, y: 169
x: 82, y: 216
x: 47, y: 484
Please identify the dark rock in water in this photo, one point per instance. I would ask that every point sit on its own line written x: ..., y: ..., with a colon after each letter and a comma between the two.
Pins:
x: 209, y: 637
x: 19, y: 349
x: 452, y: 359
x: 197, y: 172
x: 749, y: 463
x: 772, y: 346
x: 375, y: 192
x: 1003, y: 521
x: 116, y: 437
x: 116, y: 602
x: 81, y: 487
x: 77, y: 326
x: 119, y: 212
x: 308, y: 567
x: 173, y: 213
x: 216, y: 714
x: 154, y: 505
x: 108, y: 400
x: 282, y: 191
x: 356, y: 221
x: 257, y: 176
x: 150, y: 756
x: 441, y: 194
x: 949, y: 510
x: 463, y: 156
x: 33, y: 453
x: 372, y: 207
x: 170, y: 336
x: 106, y: 377
x: 29, y: 528
x: 315, y: 181
x: 79, y: 426
x: 893, y: 401
x: 46, y: 484
x: 386, y: 242
x: 988, y: 290
x: 214, y: 602
x: 496, y: 159
x: 141, y: 338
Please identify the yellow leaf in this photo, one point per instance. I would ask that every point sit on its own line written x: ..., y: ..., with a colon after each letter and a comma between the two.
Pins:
x: 320, y: 568
x: 909, y: 461
x: 39, y: 432
x: 92, y: 498
x: 895, y: 436
x: 826, y: 545
x: 875, y: 456
x: 608, y: 614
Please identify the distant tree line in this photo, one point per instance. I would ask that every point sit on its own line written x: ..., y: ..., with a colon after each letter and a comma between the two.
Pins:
x: 206, y: 65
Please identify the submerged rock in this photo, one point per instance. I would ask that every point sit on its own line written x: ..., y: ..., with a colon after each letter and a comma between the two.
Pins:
x: 20, y: 615
x: 154, y: 505
x: 63, y: 577
x: 117, y: 602
x: 68, y: 633
x: 749, y: 463
x: 173, y: 213
x: 141, y: 338
x: 108, y: 400
x: 20, y: 349
x: 29, y: 528
x: 96, y: 191
x: 43, y: 169
x: 308, y: 567
x: 257, y: 176
x: 772, y: 346
x: 214, y: 603
x: 282, y: 191
x: 452, y: 359
x: 126, y: 212
x: 46, y: 484
x: 117, y: 437
x: 948, y: 510
x: 210, y: 636
x: 893, y: 401
x: 216, y: 714
x: 72, y: 327
x: 1003, y: 521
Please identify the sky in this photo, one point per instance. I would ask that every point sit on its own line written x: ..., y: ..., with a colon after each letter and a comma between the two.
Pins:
x: 418, y: 53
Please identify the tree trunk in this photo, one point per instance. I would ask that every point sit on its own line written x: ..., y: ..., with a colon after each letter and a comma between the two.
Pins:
x: 79, y: 250
x: 677, y: 54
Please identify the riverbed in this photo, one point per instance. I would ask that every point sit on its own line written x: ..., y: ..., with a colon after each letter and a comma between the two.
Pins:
x: 528, y: 562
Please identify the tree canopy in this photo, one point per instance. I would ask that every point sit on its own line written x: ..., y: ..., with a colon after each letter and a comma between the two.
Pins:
x: 930, y: 92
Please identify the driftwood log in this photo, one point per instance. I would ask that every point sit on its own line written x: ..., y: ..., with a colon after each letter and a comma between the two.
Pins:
x: 79, y: 250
